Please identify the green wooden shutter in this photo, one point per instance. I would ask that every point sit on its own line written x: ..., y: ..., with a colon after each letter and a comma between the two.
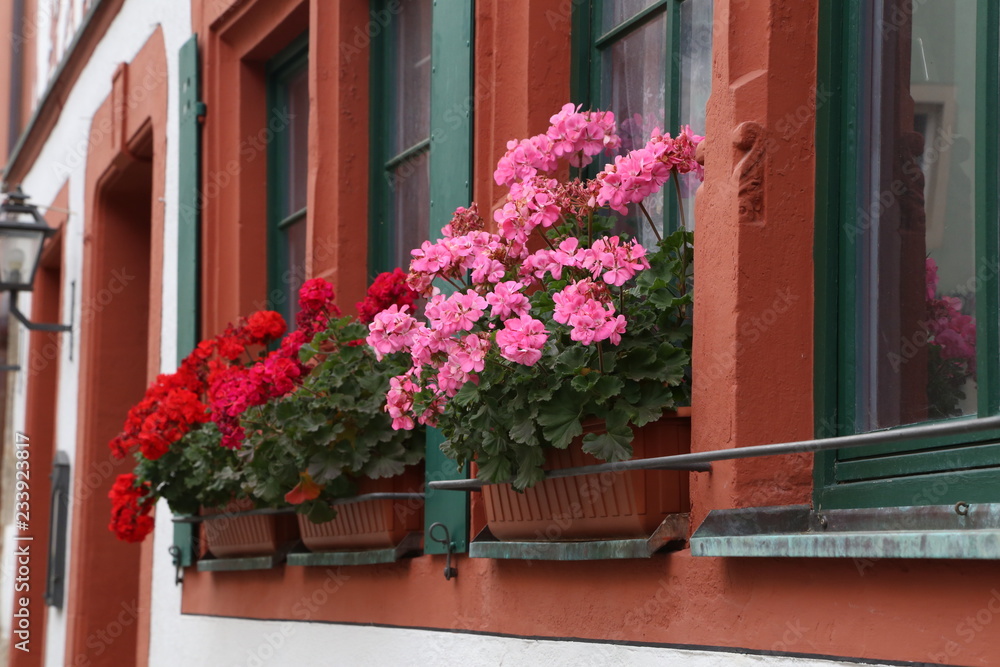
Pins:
x: 451, y: 187
x: 188, y: 231
x: 189, y: 162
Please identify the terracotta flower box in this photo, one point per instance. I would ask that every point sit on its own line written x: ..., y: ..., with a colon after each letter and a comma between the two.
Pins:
x: 370, y: 524
x: 238, y: 535
x: 612, y: 505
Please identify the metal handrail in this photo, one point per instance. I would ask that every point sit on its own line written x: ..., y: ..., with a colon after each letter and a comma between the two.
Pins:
x: 291, y: 510
x: 702, y: 461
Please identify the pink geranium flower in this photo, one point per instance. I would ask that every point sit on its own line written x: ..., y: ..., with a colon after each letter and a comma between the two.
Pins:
x: 521, y: 340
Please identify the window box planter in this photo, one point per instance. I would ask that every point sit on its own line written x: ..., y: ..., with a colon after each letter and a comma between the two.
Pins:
x: 238, y: 535
x: 370, y: 524
x: 612, y: 505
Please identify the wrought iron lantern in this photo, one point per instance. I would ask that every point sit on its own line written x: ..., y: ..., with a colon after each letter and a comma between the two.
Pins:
x: 22, y: 236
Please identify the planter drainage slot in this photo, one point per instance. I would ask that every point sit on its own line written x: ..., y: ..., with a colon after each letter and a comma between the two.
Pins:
x: 963, y: 530
x: 671, y: 535
x: 412, y: 545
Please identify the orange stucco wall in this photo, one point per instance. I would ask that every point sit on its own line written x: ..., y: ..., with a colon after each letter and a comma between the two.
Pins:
x: 753, y: 356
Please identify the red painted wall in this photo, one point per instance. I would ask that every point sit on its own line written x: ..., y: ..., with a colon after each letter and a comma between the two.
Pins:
x: 753, y: 356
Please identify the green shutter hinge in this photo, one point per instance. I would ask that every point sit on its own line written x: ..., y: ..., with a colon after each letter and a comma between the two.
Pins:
x: 200, y: 110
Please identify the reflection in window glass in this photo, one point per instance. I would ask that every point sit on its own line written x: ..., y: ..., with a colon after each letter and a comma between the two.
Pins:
x: 696, y: 81
x: 615, y: 12
x: 634, y: 76
x: 412, y: 184
x: 634, y: 69
x: 915, y: 227
x: 412, y: 75
x: 297, y: 88
x: 407, y: 171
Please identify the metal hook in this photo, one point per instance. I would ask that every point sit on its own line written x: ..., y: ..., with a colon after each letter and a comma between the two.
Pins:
x: 449, y: 571
x: 962, y: 508
x: 175, y: 552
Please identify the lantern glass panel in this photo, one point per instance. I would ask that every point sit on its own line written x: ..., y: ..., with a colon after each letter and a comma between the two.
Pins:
x: 19, y: 254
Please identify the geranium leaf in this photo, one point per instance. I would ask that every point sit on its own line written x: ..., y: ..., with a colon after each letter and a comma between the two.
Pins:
x: 560, y: 419
x: 467, y: 395
x: 573, y: 358
x: 607, y: 386
x: 524, y: 430
x: 495, y: 469
x: 614, y: 445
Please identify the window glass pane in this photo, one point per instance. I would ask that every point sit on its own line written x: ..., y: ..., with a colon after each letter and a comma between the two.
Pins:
x: 633, y: 81
x: 412, y: 205
x: 289, y: 166
x: 412, y: 75
x: 696, y: 81
x: 297, y: 96
x: 295, y: 235
x: 616, y: 11
x: 915, y: 228
x: 409, y: 181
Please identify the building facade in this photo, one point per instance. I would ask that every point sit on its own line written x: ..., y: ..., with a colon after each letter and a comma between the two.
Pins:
x: 200, y: 159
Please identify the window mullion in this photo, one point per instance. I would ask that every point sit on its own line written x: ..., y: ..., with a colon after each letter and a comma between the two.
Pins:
x: 634, y: 22
x: 672, y: 106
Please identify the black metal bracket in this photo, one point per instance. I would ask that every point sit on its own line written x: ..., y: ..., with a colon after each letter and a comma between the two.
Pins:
x: 175, y: 553
x: 40, y: 326
x: 449, y: 571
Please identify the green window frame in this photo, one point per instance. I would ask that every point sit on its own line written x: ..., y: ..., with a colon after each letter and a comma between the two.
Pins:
x: 922, y: 471
x: 448, y: 151
x: 595, y: 38
x: 286, y: 217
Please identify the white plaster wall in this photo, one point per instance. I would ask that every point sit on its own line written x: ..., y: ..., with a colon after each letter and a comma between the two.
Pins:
x: 63, y: 158
x: 236, y: 643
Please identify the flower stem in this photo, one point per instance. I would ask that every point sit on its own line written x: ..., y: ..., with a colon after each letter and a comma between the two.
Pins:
x: 680, y: 200
x: 600, y: 357
x: 650, y: 220
x: 684, y: 244
x: 545, y: 238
